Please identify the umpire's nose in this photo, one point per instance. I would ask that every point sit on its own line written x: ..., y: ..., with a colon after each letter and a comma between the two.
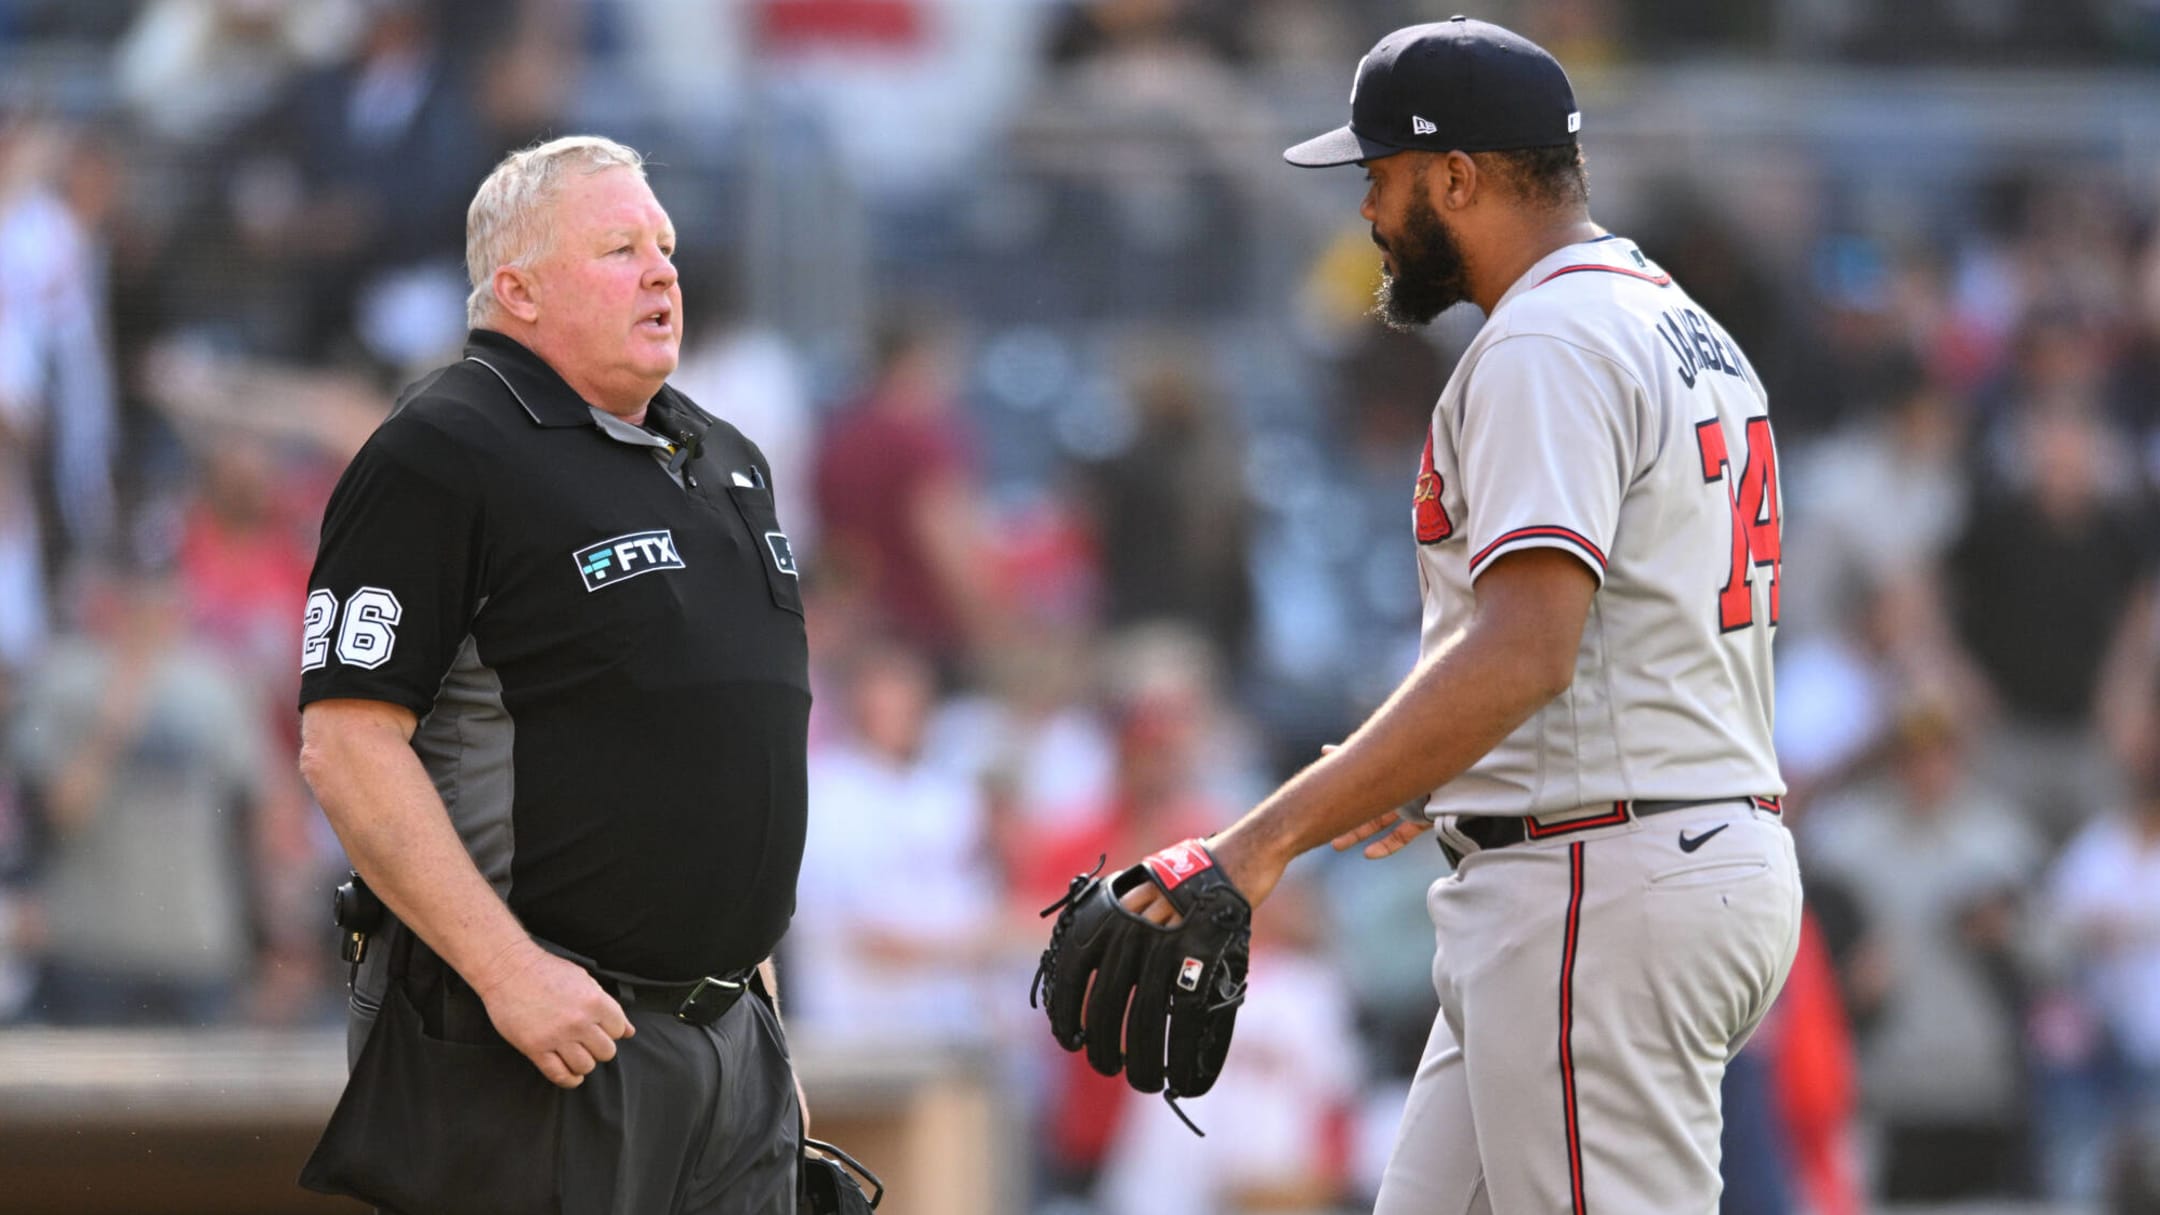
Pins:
x: 660, y: 271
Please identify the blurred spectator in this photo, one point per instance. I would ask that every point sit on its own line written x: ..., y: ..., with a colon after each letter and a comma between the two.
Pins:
x: 1161, y: 702
x: 897, y: 493
x: 907, y: 93
x: 197, y: 70
x: 245, y: 550
x: 1030, y: 734
x: 1906, y: 462
x: 145, y: 754
x: 1937, y: 860
x: 378, y: 155
x: 885, y: 817
x: 21, y: 914
x: 1752, y: 1145
x: 2052, y: 588
x: 2099, y: 1040
x: 1171, y: 512
x: 58, y: 420
x: 1087, y: 29
x: 752, y: 377
x: 1809, y: 1047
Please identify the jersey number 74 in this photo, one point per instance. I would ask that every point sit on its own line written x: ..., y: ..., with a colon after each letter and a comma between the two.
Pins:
x: 1756, y: 530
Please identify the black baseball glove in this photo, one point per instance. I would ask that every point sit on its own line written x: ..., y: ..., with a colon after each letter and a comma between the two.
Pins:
x: 1163, y: 1000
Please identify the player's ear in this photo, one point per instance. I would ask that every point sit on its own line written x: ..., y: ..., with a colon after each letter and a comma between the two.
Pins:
x: 516, y: 293
x: 1455, y: 181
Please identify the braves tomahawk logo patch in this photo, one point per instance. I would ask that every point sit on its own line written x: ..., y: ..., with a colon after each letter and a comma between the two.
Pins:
x: 1433, y: 524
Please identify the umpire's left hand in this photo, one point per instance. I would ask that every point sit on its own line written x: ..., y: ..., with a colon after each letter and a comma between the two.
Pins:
x: 555, y: 1014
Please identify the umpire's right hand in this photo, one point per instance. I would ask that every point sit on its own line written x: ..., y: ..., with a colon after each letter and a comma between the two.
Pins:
x: 556, y: 1015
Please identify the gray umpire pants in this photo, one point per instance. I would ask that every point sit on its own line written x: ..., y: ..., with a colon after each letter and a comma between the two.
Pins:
x: 685, y: 1120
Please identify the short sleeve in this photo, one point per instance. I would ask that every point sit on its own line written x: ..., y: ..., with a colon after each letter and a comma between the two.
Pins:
x: 397, y: 579
x: 1547, y: 450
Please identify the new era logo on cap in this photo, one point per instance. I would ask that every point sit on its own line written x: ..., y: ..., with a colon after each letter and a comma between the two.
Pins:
x: 1421, y: 126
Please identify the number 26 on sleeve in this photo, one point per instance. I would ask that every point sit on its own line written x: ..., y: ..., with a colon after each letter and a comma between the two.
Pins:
x: 368, y: 635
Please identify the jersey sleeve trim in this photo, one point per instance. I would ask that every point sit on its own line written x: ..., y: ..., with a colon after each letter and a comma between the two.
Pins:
x: 1543, y: 536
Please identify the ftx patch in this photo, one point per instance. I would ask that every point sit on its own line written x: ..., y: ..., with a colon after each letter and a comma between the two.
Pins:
x: 625, y: 557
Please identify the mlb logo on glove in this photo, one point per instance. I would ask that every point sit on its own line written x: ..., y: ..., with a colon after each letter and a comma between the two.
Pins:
x: 1189, y: 974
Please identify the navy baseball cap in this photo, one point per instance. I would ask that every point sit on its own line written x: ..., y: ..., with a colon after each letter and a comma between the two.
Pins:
x: 1456, y: 85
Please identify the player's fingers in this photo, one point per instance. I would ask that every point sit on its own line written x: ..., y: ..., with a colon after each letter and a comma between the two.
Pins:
x: 1363, y: 831
x: 1148, y: 903
x: 1397, y: 840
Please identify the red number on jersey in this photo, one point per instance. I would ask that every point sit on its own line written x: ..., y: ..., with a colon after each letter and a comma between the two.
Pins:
x: 1756, y: 531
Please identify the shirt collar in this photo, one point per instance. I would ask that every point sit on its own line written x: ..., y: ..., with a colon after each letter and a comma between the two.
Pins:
x: 1611, y: 251
x: 545, y: 396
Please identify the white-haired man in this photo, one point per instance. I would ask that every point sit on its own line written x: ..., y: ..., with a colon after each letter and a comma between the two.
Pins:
x: 555, y: 697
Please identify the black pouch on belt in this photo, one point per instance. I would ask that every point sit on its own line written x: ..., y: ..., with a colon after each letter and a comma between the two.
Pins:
x: 440, y: 1116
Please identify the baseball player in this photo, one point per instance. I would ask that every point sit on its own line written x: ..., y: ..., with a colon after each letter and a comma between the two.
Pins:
x: 1588, y: 728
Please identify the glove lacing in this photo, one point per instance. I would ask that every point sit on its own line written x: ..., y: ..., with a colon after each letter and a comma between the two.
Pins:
x: 1073, y: 890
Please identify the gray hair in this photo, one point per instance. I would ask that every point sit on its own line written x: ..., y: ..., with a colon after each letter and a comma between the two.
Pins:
x: 507, y: 224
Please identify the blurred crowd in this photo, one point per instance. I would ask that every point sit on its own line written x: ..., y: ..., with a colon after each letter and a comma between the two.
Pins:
x: 1101, y: 481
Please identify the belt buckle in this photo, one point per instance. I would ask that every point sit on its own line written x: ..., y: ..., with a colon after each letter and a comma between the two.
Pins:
x: 709, y: 1000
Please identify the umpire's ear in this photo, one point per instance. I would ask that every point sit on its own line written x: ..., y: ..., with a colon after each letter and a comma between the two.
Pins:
x: 517, y: 293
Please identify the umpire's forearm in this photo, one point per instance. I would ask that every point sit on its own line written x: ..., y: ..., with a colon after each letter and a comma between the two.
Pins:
x: 358, y: 758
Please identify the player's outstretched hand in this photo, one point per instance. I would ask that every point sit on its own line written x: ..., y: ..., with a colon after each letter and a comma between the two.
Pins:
x: 553, y: 1012
x: 1400, y: 831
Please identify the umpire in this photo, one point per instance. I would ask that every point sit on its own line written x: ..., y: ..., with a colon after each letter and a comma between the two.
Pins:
x: 555, y: 705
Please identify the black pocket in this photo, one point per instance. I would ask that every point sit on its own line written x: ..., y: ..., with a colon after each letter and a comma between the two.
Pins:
x: 827, y: 1188
x: 755, y: 504
x: 433, y: 1127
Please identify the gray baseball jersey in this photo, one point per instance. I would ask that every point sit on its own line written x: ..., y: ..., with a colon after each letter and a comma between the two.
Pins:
x: 1599, y: 966
x: 1600, y: 411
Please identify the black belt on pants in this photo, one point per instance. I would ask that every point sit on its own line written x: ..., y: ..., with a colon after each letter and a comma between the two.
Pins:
x: 1499, y: 831
x: 701, y: 1002
x: 696, y: 1002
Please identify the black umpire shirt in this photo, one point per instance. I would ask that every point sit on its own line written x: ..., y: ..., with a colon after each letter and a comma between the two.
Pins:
x: 601, y: 631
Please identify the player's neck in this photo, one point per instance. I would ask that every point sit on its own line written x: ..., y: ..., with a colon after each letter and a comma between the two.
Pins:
x: 1529, y: 244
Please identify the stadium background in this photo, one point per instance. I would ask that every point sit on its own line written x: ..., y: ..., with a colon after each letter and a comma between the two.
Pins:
x: 1144, y: 554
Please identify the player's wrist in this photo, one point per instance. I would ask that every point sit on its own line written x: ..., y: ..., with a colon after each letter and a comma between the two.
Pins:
x: 1249, y: 860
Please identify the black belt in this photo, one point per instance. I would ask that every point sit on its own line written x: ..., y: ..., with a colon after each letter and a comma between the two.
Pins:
x: 700, y: 1002
x: 696, y: 1002
x: 1499, y: 831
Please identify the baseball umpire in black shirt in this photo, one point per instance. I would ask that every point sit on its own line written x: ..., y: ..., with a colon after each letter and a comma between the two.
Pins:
x: 555, y: 705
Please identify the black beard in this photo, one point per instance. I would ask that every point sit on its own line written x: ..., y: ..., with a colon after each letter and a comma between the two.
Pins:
x: 1430, y: 274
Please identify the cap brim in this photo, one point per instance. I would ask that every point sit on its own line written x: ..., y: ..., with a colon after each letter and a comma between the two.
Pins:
x: 1341, y: 146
